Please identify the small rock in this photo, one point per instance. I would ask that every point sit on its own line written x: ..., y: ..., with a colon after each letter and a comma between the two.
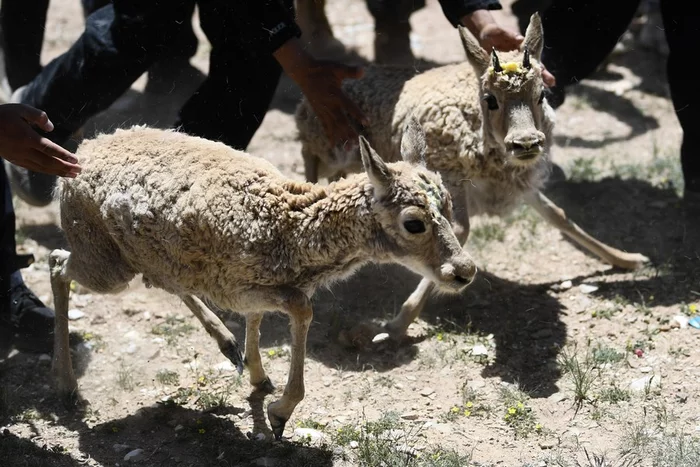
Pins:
x: 665, y: 327
x: 682, y: 397
x: 260, y: 437
x: 548, y: 444
x: 354, y: 444
x: 75, y: 314
x: 44, y: 357
x: 587, y: 288
x: 309, y: 434
x: 131, y: 348
x: 425, y: 392
x: 646, y: 369
x: 565, y: 285
x: 147, y: 315
x: 641, y: 384
x: 479, y: 350
x: 225, y: 365
x: 410, y: 416
x: 120, y: 447
x: 382, y: 336
x: 179, y: 428
x: 134, y: 456
x: 133, y: 334
x: 681, y: 321
x: 405, y: 448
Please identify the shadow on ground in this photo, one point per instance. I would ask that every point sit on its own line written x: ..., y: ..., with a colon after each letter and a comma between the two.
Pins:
x: 168, y: 435
x: 633, y: 215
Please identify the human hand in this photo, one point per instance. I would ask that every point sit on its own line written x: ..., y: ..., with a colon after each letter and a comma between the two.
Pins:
x: 321, y: 82
x: 491, y: 36
x: 23, y: 146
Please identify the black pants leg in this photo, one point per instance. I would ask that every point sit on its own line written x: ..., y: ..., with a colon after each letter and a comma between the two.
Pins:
x: 681, y: 31
x: 579, y: 34
x: 185, y: 44
x: 7, y: 232
x: 22, y: 23
x: 120, y: 42
x: 231, y: 103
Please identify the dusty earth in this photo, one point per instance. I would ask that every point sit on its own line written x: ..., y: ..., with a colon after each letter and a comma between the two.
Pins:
x: 550, y: 358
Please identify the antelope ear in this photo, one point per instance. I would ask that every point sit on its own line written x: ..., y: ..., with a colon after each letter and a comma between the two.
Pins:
x: 413, y: 144
x: 377, y: 171
x: 534, y: 37
x: 475, y: 54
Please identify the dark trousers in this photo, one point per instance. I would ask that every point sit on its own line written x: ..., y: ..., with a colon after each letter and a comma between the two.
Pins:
x: 7, y: 232
x: 123, y: 39
x: 22, y: 23
x: 579, y: 34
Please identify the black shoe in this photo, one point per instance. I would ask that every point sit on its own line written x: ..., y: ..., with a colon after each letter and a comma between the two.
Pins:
x: 25, y: 315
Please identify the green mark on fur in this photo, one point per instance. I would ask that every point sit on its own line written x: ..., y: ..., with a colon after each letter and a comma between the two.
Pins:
x: 433, y: 195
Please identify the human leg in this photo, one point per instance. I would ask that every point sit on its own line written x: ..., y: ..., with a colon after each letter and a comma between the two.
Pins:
x: 682, y: 35
x: 22, y: 23
x: 392, y: 29
x: 231, y: 103
x: 20, y: 310
x: 578, y: 35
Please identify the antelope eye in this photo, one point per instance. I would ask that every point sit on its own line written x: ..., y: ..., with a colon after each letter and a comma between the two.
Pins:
x: 414, y: 226
x: 491, y: 102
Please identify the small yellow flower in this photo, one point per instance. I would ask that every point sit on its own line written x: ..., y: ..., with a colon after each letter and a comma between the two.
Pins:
x: 651, y: 298
x: 469, y: 404
x: 199, y: 421
x: 693, y: 308
x: 439, y: 336
x: 521, y: 406
x: 507, y: 416
x: 271, y: 353
x: 512, y: 410
x: 202, y: 431
x: 467, y: 413
x: 538, y: 427
x: 454, y: 409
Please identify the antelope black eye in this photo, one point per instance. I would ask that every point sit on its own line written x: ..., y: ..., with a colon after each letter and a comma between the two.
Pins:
x: 491, y: 102
x: 541, y: 97
x: 414, y: 226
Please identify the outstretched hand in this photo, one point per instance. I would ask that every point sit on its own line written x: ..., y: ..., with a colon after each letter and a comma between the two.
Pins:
x: 321, y: 82
x: 23, y: 146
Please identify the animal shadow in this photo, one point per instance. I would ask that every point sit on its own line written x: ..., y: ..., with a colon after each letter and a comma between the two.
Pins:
x: 524, y: 320
x: 634, y: 215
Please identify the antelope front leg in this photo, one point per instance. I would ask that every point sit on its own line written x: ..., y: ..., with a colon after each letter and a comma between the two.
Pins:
x: 412, y: 307
x: 298, y: 306
x: 557, y: 217
x: 216, y: 329
x: 258, y: 378
x: 62, y: 366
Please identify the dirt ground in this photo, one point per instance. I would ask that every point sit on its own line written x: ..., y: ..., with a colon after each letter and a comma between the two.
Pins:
x: 550, y: 358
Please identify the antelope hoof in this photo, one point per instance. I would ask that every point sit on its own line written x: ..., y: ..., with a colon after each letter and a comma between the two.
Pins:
x: 73, y: 401
x: 265, y: 386
x: 233, y: 353
x: 631, y: 261
x: 277, y: 422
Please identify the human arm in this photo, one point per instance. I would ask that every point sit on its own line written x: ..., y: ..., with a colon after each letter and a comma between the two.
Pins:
x: 23, y: 146
x: 321, y: 83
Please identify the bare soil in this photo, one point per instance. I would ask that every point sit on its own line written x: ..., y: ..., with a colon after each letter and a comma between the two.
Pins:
x: 522, y: 369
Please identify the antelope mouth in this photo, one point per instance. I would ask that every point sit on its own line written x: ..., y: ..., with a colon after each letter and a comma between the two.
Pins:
x: 526, y: 155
